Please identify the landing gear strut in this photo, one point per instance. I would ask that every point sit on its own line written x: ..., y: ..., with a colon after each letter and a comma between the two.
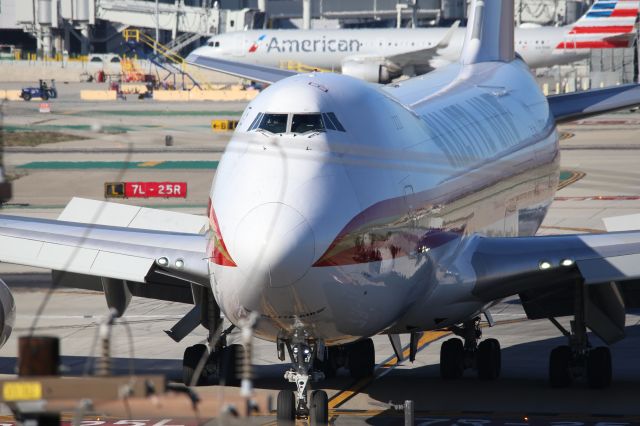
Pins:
x: 199, y: 366
x: 456, y: 356
x: 578, y: 359
x: 298, y: 404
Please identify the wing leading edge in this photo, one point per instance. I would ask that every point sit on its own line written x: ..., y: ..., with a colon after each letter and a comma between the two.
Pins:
x: 104, y: 251
x: 544, y: 272
x: 574, y: 106
x: 250, y: 71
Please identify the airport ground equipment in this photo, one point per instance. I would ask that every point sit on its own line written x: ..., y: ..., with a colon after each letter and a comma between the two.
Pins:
x: 144, y: 46
x: 43, y: 91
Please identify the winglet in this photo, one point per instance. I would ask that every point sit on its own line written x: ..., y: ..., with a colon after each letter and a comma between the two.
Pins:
x: 447, y: 37
x: 489, y: 32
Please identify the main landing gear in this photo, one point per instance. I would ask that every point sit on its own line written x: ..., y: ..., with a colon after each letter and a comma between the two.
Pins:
x: 578, y: 358
x: 308, y: 366
x: 456, y: 356
x: 218, y: 366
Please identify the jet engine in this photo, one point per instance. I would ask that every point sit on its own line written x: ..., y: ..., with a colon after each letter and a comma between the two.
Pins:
x: 374, y: 72
x: 7, y: 313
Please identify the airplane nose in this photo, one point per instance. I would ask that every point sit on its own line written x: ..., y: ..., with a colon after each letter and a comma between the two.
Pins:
x: 274, y: 244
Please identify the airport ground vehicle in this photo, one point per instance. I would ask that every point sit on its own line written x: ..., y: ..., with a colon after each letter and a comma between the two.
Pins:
x: 43, y: 91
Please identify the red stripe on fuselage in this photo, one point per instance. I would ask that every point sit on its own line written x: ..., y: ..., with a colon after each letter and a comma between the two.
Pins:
x: 217, y: 249
x: 606, y: 29
x: 601, y: 44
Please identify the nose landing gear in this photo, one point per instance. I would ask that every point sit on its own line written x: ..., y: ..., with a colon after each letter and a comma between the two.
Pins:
x: 456, y: 356
x: 298, y: 404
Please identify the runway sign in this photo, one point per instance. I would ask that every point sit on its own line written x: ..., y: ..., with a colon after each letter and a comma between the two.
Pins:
x: 45, y: 107
x: 145, y: 190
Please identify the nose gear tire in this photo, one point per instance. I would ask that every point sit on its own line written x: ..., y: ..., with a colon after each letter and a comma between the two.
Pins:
x: 319, y: 410
x: 286, y: 407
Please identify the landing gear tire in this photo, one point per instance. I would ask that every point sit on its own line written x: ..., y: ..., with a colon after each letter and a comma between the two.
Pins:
x: 286, y: 408
x: 452, y: 359
x: 192, y: 356
x: 599, y: 368
x: 560, y: 367
x: 362, y: 359
x: 489, y: 359
x: 230, y: 357
x: 319, y: 409
x: 327, y: 365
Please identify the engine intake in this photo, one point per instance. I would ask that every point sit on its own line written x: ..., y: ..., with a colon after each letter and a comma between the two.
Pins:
x: 374, y: 72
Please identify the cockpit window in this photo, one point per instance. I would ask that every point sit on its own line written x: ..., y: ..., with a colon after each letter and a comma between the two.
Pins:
x: 256, y: 121
x: 213, y: 44
x: 274, y: 123
x: 302, y: 123
x: 334, y: 120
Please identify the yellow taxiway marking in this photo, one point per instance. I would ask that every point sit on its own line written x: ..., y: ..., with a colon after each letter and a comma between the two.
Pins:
x: 383, y: 369
x: 150, y: 163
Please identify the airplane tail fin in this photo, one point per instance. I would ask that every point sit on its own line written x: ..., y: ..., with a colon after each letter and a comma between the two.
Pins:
x: 489, y: 32
x: 607, y: 24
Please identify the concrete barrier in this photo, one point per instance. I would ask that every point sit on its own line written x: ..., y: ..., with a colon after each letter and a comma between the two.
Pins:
x: 98, y: 95
x: 10, y: 95
x: 131, y: 88
x: 171, y: 95
x: 204, y: 95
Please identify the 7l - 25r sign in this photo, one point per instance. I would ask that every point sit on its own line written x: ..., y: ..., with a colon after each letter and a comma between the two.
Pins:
x: 145, y: 190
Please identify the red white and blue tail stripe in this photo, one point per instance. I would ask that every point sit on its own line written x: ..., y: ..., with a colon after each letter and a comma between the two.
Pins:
x: 607, y: 24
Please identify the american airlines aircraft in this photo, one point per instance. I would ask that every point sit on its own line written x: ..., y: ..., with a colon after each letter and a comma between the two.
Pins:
x: 343, y: 209
x: 379, y: 55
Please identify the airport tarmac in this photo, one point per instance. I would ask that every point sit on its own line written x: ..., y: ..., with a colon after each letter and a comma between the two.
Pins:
x: 600, y: 156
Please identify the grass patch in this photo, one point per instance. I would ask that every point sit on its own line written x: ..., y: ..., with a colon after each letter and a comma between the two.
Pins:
x: 35, y: 138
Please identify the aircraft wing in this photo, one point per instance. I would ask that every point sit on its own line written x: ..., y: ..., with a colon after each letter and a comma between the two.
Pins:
x: 577, y: 105
x: 423, y: 56
x: 249, y: 71
x: 546, y: 271
x: 124, y: 253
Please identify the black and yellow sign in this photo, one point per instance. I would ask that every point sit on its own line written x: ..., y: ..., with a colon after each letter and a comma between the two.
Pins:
x: 223, y: 125
x: 114, y: 190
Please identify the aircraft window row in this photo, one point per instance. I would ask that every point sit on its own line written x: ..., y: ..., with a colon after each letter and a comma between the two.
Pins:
x: 300, y: 123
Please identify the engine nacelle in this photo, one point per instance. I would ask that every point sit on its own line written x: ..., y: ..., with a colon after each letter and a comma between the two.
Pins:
x: 7, y: 313
x: 374, y: 72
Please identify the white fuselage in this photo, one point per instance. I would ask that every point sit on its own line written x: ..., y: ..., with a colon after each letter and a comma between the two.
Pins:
x: 330, y: 49
x: 344, y: 234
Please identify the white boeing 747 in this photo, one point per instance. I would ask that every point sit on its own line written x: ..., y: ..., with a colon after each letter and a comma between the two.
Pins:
x: 379, y: 55
x: 343, y: 209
